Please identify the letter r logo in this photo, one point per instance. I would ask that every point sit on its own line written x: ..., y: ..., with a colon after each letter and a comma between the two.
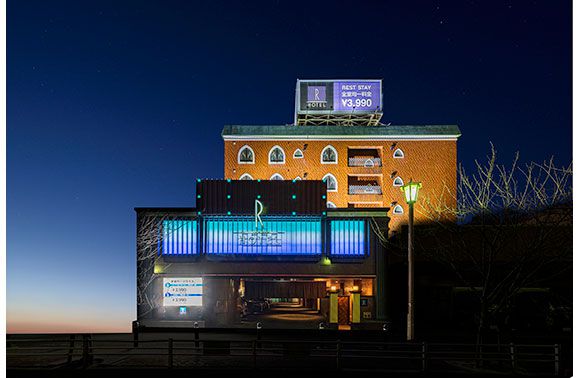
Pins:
x: 258, y: 209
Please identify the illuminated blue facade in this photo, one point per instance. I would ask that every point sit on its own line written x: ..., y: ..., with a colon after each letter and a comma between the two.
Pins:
x: 272, y: 236
x: 348, y: 238
x: 179, y: 237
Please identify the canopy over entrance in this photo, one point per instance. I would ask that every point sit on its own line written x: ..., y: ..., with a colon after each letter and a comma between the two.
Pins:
x: 285, y: 289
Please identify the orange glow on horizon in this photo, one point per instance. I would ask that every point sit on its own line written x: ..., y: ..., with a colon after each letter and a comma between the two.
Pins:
x: 64, y: 327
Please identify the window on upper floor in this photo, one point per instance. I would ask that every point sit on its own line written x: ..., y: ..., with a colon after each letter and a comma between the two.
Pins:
x: 329, y: 155
x: 398, y: 154
x: 246, y: 176
x: 398, y: 181
x: 330, y: 205
x: 276, y: 155
x: 276, y: 176
x: 331, y: 183
x: 297, y: 178
x: 398, y: 210
x: 246, y: 155
x: 298, y: 154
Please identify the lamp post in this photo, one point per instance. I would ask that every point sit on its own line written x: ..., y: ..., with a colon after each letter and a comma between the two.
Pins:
x: 411, y: 190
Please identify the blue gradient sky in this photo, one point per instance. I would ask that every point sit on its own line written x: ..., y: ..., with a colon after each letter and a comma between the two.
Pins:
x: 117, y: 104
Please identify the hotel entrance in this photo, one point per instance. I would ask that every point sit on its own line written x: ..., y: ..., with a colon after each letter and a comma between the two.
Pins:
x: 282, y: 303
x: 305, y: 303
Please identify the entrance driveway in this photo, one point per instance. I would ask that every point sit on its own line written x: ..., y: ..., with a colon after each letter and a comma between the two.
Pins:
x: 287, y: 315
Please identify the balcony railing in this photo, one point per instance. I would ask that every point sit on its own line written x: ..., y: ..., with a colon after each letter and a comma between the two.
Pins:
x: 364, y: 189
x: 364, y: 162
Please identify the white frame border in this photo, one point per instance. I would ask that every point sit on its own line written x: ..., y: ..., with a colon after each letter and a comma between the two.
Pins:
x: 276, y: 162
x: 253, y: 155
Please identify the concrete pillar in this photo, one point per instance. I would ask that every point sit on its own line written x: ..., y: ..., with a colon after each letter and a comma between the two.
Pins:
x: 355, y: 306
x: 333, y: 310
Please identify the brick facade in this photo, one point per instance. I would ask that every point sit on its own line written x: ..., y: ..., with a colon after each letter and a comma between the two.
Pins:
x: 431, y: 161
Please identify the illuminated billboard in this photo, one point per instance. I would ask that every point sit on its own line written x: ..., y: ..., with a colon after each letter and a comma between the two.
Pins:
x: 267, y: 236
x: 183, y: 291
x: 339, y: 96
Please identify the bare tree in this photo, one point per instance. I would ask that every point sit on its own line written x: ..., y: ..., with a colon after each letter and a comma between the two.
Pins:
x: 151, y: 231
x: 511, y: 228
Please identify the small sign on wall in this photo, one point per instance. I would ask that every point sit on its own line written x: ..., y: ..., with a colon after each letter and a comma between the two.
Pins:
x: 182, y: 291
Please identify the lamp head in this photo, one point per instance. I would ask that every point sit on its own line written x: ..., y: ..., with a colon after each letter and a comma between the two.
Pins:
x: 411, y: 191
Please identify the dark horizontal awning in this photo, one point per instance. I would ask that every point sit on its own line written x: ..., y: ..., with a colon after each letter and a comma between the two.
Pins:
x: 270, y: 289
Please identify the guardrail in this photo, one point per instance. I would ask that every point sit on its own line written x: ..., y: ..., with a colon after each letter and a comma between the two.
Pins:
x: 191, y: 351
x: 364, y: 189
x: 364, y: 162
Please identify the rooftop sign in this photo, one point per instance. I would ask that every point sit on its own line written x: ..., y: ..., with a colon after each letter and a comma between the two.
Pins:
x: 339, y: 96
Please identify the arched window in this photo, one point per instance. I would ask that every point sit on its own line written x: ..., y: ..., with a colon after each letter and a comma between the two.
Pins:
x: 331, y: 183
x: 276, y: 155
x: 398, y: 154
x: 298, y: 154
x: 329, y: 155
x: 398, y: 210
x: 246, y: 155
x: 276, y: 176
x: 398, y: 181
x: 246, y: 176
x: 297, y: 178
x: 330, y: 205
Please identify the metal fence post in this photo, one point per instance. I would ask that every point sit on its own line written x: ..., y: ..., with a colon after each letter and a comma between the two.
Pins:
x: 170, y: 353
x: 424, y: 355
x: 135, y: 334
x: 254, y: 354
x: 556, y: 359
x: 85, y: 351
x: 258, y: 337
x: 338, y: 354
x: 71, y: 349
x: 513, y: 355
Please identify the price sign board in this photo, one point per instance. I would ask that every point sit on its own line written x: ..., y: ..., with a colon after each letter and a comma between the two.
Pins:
x: 183, y: 291
x: 339, y: 96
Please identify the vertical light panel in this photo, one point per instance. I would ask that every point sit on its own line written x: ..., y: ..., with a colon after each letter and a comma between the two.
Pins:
x: 179, y: 237
x: 348, y: 238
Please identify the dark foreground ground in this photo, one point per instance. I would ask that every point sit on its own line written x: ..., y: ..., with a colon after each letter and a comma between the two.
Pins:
x: 277, y: 350
x: 311, y: 372
x: 273, y: 353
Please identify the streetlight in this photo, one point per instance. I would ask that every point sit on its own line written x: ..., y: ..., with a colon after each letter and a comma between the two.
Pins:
x: 411, y: 191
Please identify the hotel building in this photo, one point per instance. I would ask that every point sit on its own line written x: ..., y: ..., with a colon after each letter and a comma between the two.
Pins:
x: 301, y: 217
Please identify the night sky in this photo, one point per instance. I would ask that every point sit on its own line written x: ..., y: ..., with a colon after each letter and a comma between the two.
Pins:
x: 118, y: 104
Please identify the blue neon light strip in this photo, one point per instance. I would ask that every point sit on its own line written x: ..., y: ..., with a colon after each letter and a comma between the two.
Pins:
x: 277, y: 236
x: 348, y: 238
x: 179, y: 237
